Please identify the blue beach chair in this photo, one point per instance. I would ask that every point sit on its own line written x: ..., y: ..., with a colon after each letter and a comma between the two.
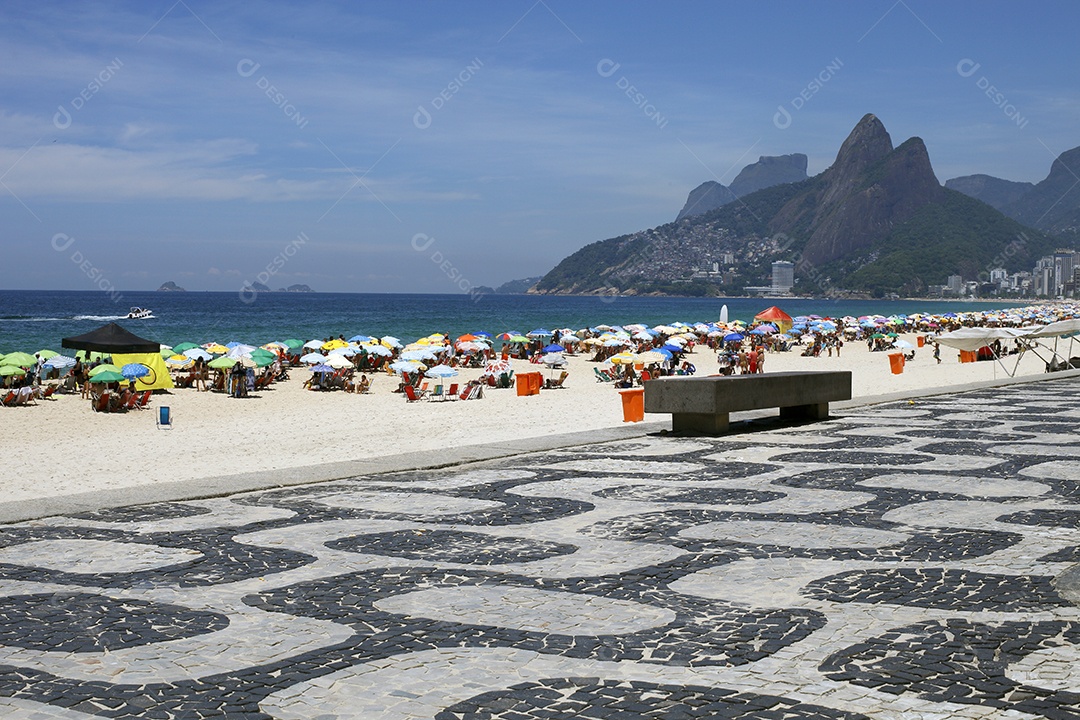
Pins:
x: 164, y: 419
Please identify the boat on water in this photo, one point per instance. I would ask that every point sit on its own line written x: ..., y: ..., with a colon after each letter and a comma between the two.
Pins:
x: 137, y: 313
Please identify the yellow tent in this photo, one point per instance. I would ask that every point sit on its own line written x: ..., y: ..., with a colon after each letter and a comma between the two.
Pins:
x: 158, y: 379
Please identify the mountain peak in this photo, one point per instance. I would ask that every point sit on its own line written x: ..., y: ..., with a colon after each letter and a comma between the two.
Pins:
x: 766, y: 172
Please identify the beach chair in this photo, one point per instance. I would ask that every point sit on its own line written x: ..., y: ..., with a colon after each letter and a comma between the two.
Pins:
x: 26, y: 397
x: 452, y: 393
x: 465, y: 393
x: 557, y: 383
x: 164, y: 417
x: 144, y: 399
x: 9, y: 399
x: 436, y: 393
x: 476, y: 393
x: 100, y: 403
x: 412, y: 394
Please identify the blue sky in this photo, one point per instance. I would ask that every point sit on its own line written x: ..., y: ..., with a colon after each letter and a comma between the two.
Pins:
x: 434, y: 146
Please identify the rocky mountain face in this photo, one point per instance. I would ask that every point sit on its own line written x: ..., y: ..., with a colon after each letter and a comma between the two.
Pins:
x: 995, y: 192
x: 869, y: 189
x: 170, y: 286
x: 876, y: 220
x: 1052, y: 205
x: 766, y: 172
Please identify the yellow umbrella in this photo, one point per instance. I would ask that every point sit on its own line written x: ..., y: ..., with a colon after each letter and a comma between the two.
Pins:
x: 624, y: 357
x: 334, y: 344
x: 215, y: 348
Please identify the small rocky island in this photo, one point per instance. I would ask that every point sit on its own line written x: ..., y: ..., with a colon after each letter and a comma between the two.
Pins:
x: 170, y: 286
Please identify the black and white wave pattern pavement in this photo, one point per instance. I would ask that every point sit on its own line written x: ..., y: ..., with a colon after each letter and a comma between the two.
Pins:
x: 901, y: 561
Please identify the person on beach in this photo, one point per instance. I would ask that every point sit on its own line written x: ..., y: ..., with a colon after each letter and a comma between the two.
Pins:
x: 937, y: 353
x: 761, y: 360
x: 751, y: 361
x: 744, y: 362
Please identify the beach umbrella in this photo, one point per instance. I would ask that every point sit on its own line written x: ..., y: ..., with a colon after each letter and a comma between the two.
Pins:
x: 481, y: 333
x: 653, y: 356
x: 167, y: 351
x: 133, y: 371
x: 215, y: 348
x: 496, y: 367
x: 553, y: 349
x: 518, y: 339
x: 260, y: 353
x: 46, y: 354
x: 60, y: 361
x: 179, y: 349
x: 8, y: 370
x: 293, y: 343
x: 313, y: 345
x: 467, y: 337
x: 321, y: 367
x: 734, y: 337
x: 338, y: 362
x: 390, y: 341
x: 313, y: 358
x: 471, y: 346
x: 362, y: 339
x: 540, y: 332
x: 178, y: 361
x: 20, y: 359
x: 104, y: 368
x: 197, y: 353
x: 441, y: 371
x: 107, y: 377
x: 406, y: 366
x: 424, y: 354
x: 378, y: 350
x: 240, y: 350
x: 222, y: 363
x: 902, y: 345
x: 623, y: 358
x: 554, y: 358
x: 334, y: 344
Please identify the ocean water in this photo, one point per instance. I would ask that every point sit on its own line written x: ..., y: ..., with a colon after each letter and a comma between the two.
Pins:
x: 34, y: 319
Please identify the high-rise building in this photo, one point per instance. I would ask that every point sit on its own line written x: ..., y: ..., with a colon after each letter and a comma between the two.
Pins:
x: 783, y: 276
x: 956, y: 284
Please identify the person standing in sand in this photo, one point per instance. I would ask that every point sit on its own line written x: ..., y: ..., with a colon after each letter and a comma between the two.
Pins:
x: 752, y: 361
x: 761, y: 360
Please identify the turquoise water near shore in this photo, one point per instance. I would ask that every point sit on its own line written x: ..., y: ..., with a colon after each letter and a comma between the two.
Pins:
x: 35, y: 319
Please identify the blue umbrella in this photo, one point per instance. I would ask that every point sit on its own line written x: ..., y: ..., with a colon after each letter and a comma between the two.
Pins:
x: 134, y: 370
x: 734, y: 337
x: 322, y: 367
x: 673, y: 349
x: 482, y: 334
x: 553, y: 349
x: 362, y: 339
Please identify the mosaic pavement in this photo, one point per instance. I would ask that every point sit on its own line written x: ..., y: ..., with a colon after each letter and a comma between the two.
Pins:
x: 901, y: 561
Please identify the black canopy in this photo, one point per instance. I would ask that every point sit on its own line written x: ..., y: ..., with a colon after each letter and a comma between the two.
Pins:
x: 111, y: 338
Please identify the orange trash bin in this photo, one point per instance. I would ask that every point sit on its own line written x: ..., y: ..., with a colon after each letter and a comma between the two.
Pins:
x: 920, y: 340
x: 523, y: 384
x: 896, y: 363
x: 633, y: 405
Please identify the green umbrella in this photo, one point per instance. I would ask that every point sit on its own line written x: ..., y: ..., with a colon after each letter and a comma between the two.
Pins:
x: 107, y: 377
x: 167, y: 352
x: 223, y: 363
x: 179, y: 349
x: 262, y: 353
x: 876, y: 336
x: 519, y: 338
x: 11, y: 370
x: 20, y: 359
x: 47, y: 354
x: 293, y: 343
x: 104, y: 368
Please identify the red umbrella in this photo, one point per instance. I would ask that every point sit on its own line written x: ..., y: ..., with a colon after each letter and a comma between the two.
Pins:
x: 775, y: 316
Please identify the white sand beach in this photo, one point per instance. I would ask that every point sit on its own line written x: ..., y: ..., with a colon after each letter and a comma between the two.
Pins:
x: 62, y: 447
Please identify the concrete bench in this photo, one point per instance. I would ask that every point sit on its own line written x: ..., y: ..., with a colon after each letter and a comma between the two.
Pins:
x: 702, y: 404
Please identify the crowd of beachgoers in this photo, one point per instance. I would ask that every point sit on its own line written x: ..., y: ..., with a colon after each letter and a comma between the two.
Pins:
x: 626, y: 355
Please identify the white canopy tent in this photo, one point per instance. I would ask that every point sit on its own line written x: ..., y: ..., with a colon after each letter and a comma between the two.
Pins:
x: 1030, y: 339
